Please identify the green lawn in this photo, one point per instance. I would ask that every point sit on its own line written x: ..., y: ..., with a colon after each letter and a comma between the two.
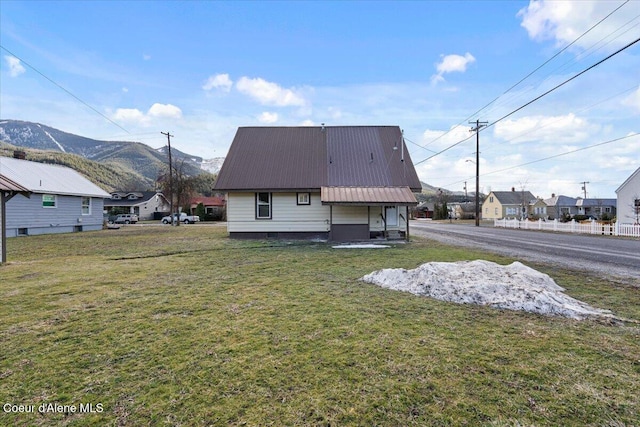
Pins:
x: 182, y: 326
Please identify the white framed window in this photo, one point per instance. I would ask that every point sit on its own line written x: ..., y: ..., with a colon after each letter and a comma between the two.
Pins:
x: 304, y: 198
x: 86, y: 206
x: 49, y: 200
x: 263, y: 205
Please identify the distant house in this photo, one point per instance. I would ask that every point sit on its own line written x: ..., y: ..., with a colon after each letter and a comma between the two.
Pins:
x: 559, y: 207
x: 214, y: 207
x: 336, y: 182
x: 507, y: 204
x: 628, y: 201
x: 424, y: 210
x: 146, y: 204
x: 61, y: 199
x: 597, y: 208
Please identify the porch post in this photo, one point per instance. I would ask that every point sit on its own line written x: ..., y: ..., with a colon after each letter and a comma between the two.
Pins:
x: 330, y: 222
x: 3, y: 238
x: 406, y: 218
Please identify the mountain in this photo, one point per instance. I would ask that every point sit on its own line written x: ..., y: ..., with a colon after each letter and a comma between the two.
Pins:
x: 135, y: 157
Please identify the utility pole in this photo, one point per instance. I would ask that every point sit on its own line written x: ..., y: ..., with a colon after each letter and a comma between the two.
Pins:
x: 465, y: 192
x: 168, y: 134
x: 479, y: 125
x: 584, y: 187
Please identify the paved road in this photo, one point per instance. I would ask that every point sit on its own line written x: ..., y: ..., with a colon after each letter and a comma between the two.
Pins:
x: 603, y: 256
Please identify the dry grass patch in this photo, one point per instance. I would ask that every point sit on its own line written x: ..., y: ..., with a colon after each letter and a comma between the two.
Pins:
x: 182, y: 326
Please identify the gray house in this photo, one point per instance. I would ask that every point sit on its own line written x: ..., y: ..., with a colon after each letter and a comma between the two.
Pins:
x: 61, y: 200
x: 336, y: 182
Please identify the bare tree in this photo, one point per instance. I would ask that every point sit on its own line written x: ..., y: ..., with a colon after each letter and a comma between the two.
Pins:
x: 183, y: 187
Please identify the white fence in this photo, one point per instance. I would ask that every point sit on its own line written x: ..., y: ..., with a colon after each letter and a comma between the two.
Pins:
x: 593, y: 227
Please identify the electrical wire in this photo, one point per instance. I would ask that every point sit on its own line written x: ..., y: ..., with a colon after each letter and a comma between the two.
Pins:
x: 528, y: 75
x: 63, y: 88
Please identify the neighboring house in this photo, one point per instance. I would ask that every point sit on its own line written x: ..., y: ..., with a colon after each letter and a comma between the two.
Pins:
x: 559, y: 207
x: 61, y: 199
x: 597, y: 208
x: 336, y: 182
x: 538, y: 209
x: 628, y: 202
x: 424, y: 210
x: 147, y: 205
x: 213, y: 206
x: 466, y: 210
x: 507, y: 204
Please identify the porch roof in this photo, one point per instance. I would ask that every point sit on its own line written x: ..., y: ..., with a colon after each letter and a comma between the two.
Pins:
x: 367, y: 196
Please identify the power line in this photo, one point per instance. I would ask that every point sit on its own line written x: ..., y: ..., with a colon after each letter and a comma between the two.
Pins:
x: 539, y: 97
x: 530, y: 74
x: 63, y: 88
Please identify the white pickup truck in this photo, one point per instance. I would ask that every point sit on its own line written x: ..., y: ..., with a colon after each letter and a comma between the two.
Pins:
x: 184, y: 218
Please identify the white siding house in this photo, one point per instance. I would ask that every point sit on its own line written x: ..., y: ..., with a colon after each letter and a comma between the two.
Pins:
x: 60, y: 200
x: 628, y: 199
x: 335, y: 182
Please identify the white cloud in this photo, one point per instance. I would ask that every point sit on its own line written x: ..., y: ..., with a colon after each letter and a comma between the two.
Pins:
x: 134, y: 116
x: 451, y: 64
x: 268, y: 93
x: 165, y: 111
x: 146, y: 57
x: 545, y: 129
x: 125, y: 89
x: 267, y: 117
x: 219, y: 81
x: 565, y: 21
x: 307, y: 123
x: 15, y: 67
x: 130, y: 115
x: 435, y: 139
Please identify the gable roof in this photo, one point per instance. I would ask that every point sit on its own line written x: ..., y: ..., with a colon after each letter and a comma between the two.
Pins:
x: 298, y: 158
x: 140, y: 197
x: 513, y: 197
x: 628, y: 180
x: 50, y: 179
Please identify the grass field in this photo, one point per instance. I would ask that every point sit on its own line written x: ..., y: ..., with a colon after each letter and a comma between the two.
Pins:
x: 183, y: 326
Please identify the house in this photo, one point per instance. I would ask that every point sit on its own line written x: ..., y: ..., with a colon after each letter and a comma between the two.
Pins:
x: 61, y: 199
x: 147, y: 205
x: 597, y: 208
x: 424, y: 210
x: 507, y: 204
x: 559, y: 207
x: 336, y: 182
x: 214, y: 207
x: 8, y: 189
x: 464, y: 210
x: 628, y: 199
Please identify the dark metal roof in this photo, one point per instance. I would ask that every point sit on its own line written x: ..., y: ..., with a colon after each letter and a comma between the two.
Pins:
x: 296, y: 158
x: 367, y: 196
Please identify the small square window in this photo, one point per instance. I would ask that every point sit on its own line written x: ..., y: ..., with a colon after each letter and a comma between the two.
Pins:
x: 48, y: 201
x: 304, y: 198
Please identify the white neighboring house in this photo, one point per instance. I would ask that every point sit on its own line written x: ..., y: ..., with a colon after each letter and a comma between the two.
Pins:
x: 336, y: 182
x: 628, y: 204
x: 61, y: 199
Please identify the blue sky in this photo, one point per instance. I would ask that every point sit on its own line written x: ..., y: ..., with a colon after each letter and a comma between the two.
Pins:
x: 202, y: 69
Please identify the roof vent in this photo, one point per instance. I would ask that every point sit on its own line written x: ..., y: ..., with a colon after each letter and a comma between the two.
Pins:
x: 18, y: 154
x: 322, y: 128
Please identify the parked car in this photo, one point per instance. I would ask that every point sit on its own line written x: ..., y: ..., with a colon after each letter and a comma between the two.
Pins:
x: 126, y: 219
x: 184, y: 218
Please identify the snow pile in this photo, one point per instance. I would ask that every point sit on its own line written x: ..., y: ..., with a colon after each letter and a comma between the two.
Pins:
x: 512, y: 287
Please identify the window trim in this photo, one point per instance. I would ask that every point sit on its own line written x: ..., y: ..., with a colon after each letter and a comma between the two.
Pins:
x: 258, y: 203
x: 303, y: 202
x: 88, y: 206
x: 54, y: 201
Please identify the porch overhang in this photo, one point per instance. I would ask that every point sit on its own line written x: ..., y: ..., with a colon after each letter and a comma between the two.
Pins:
x: 367, y: 196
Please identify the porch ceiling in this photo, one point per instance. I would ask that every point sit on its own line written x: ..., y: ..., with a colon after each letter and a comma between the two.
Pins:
x: 367, y: 196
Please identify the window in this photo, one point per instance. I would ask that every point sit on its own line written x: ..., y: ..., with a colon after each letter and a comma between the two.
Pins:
x: 86, y: 206
x: 263, y: 205
x: 496, y: 211
x: 304, y: 199
x: 491, y: 199
x: 48, y: 201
